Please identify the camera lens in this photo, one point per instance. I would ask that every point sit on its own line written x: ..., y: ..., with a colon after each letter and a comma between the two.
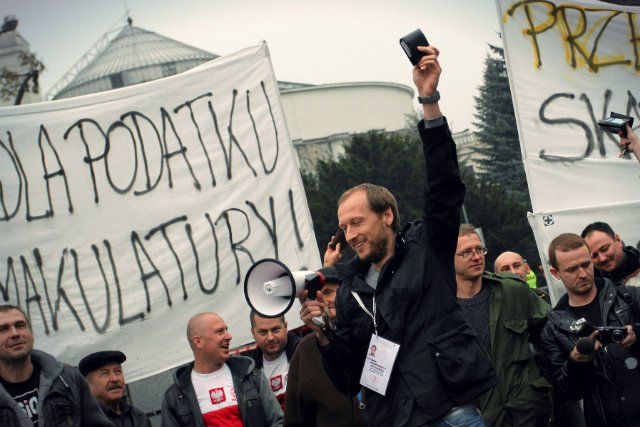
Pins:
x: 618, y: 335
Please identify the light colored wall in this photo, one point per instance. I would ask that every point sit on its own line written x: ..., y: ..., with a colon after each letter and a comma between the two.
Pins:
x: 318, y: 111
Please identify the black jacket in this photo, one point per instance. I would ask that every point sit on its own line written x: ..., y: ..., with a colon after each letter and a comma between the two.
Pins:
x: 138, y: 417
x: 575, y: 381
x: 293, y: 340
x: 439, y: 363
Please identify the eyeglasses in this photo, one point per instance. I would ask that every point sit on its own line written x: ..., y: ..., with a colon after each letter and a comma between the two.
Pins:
x: 480, y: 251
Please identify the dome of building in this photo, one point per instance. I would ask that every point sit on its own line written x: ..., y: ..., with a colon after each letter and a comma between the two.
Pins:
x: 321, y: 118
x: 133, y: 56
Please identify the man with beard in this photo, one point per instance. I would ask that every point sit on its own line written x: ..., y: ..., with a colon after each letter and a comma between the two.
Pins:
x: 611, y: 258
x: 398, y: 293
x: 506, y: 316
x: 36, y: 389
x: 103, y: 371
x: 275, y: 347
x: 218, y: 389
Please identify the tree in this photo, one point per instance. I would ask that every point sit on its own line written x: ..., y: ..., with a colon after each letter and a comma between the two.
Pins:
x: 502, y: 217
x: 13, y: 84
x: 501, y: 178
x: 500, y: 159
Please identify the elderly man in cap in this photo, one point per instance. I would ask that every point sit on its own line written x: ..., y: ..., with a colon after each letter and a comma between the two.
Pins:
x: 103, y: 371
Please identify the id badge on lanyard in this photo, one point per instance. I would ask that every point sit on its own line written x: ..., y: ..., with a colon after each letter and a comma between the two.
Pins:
x: 381, y: 356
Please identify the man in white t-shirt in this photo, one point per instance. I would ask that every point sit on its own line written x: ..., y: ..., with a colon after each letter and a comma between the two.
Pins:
x: 217, y: 388
x: 275, y: 347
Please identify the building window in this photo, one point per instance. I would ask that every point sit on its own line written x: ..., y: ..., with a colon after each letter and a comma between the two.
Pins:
x: 116, y: 80
x: 169, y: 69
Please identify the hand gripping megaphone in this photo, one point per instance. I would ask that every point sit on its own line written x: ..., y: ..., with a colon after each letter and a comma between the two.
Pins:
x: 270, y: 288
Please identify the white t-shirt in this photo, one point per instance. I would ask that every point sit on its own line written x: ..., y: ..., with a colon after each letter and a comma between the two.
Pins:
x: 277, y: 372
x: 217, y: 398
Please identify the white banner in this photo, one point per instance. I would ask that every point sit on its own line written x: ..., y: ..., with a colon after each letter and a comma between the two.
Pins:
x: 124, y: 213
x: 570, y: 64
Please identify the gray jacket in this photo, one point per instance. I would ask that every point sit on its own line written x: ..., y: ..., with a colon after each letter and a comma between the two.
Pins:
x: 258, y: 405
x: 64, y: 399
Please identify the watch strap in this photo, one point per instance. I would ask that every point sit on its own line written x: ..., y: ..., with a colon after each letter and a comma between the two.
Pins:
x: 429, y: 99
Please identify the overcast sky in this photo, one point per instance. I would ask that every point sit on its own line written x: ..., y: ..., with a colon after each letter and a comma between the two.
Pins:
x: 310, y: 41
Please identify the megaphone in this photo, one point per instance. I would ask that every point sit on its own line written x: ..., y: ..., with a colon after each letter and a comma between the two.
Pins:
x: 270, y: 288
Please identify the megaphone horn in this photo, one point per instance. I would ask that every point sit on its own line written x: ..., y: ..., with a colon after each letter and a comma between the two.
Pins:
x: 270, y: 287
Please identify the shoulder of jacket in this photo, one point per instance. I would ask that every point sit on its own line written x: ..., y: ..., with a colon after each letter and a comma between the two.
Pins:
x: 241, y: 366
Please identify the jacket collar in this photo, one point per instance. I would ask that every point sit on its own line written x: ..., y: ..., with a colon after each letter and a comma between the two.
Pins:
x: 357, y: 267
x: 564, y: 319
x: 293, y: 340
x: 240, y: 367
x: 49, y: 366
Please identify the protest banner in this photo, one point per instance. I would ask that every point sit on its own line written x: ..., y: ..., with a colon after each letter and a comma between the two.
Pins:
x: 124, y: 213
x: 570, y: 65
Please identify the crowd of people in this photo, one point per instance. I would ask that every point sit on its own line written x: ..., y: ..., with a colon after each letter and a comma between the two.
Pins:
x: 416, y: 331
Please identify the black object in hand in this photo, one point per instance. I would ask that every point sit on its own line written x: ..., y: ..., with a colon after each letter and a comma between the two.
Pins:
x: 585, y: 346
x: 338, y: 238
x: 616, y: 123
x: 410, y: 44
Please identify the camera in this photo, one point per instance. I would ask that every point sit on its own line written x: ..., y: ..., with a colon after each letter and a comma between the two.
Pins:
x: 410, y: 44
x: 606, y: 334
x: 609, y: 334
x: 616, y: 123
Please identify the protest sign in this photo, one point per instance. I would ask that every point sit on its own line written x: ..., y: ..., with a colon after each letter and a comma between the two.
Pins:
x: 124, y: 213
x: 570, y: 64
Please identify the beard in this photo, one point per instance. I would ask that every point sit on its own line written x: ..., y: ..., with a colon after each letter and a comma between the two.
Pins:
x: 15, y: 360
x: 378, y: 247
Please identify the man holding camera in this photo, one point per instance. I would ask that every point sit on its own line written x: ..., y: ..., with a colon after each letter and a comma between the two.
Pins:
x: 589, y: 341
x: 399, y: 294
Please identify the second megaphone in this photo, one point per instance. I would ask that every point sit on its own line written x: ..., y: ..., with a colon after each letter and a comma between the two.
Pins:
x: 270, y: 288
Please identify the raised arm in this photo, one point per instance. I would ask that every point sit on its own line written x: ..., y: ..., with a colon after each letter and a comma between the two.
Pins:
x: 444, y: 191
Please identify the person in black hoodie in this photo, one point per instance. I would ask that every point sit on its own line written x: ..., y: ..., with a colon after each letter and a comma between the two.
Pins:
x: 611, y: 258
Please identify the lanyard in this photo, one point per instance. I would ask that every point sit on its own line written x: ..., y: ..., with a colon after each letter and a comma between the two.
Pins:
x: 361, y: 304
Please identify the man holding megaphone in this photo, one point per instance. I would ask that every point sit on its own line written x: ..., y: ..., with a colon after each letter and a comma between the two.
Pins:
x: 399, y: 293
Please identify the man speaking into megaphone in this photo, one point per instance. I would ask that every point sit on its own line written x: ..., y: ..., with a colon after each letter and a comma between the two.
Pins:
x: 399, y: 293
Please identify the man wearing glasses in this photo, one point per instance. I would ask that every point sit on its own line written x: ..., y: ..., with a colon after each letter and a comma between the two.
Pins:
x: 506, y: 316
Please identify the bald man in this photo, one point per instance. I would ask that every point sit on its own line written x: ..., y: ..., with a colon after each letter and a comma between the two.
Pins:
x: 511, y: 262
x: 217, y: 388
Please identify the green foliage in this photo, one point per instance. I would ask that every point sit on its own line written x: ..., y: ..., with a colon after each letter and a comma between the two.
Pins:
x: 501, y: 160
x: 503, y: 218
x: 11, y: 82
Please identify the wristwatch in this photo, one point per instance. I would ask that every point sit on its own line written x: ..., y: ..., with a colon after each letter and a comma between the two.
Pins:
x: 429, y: 99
